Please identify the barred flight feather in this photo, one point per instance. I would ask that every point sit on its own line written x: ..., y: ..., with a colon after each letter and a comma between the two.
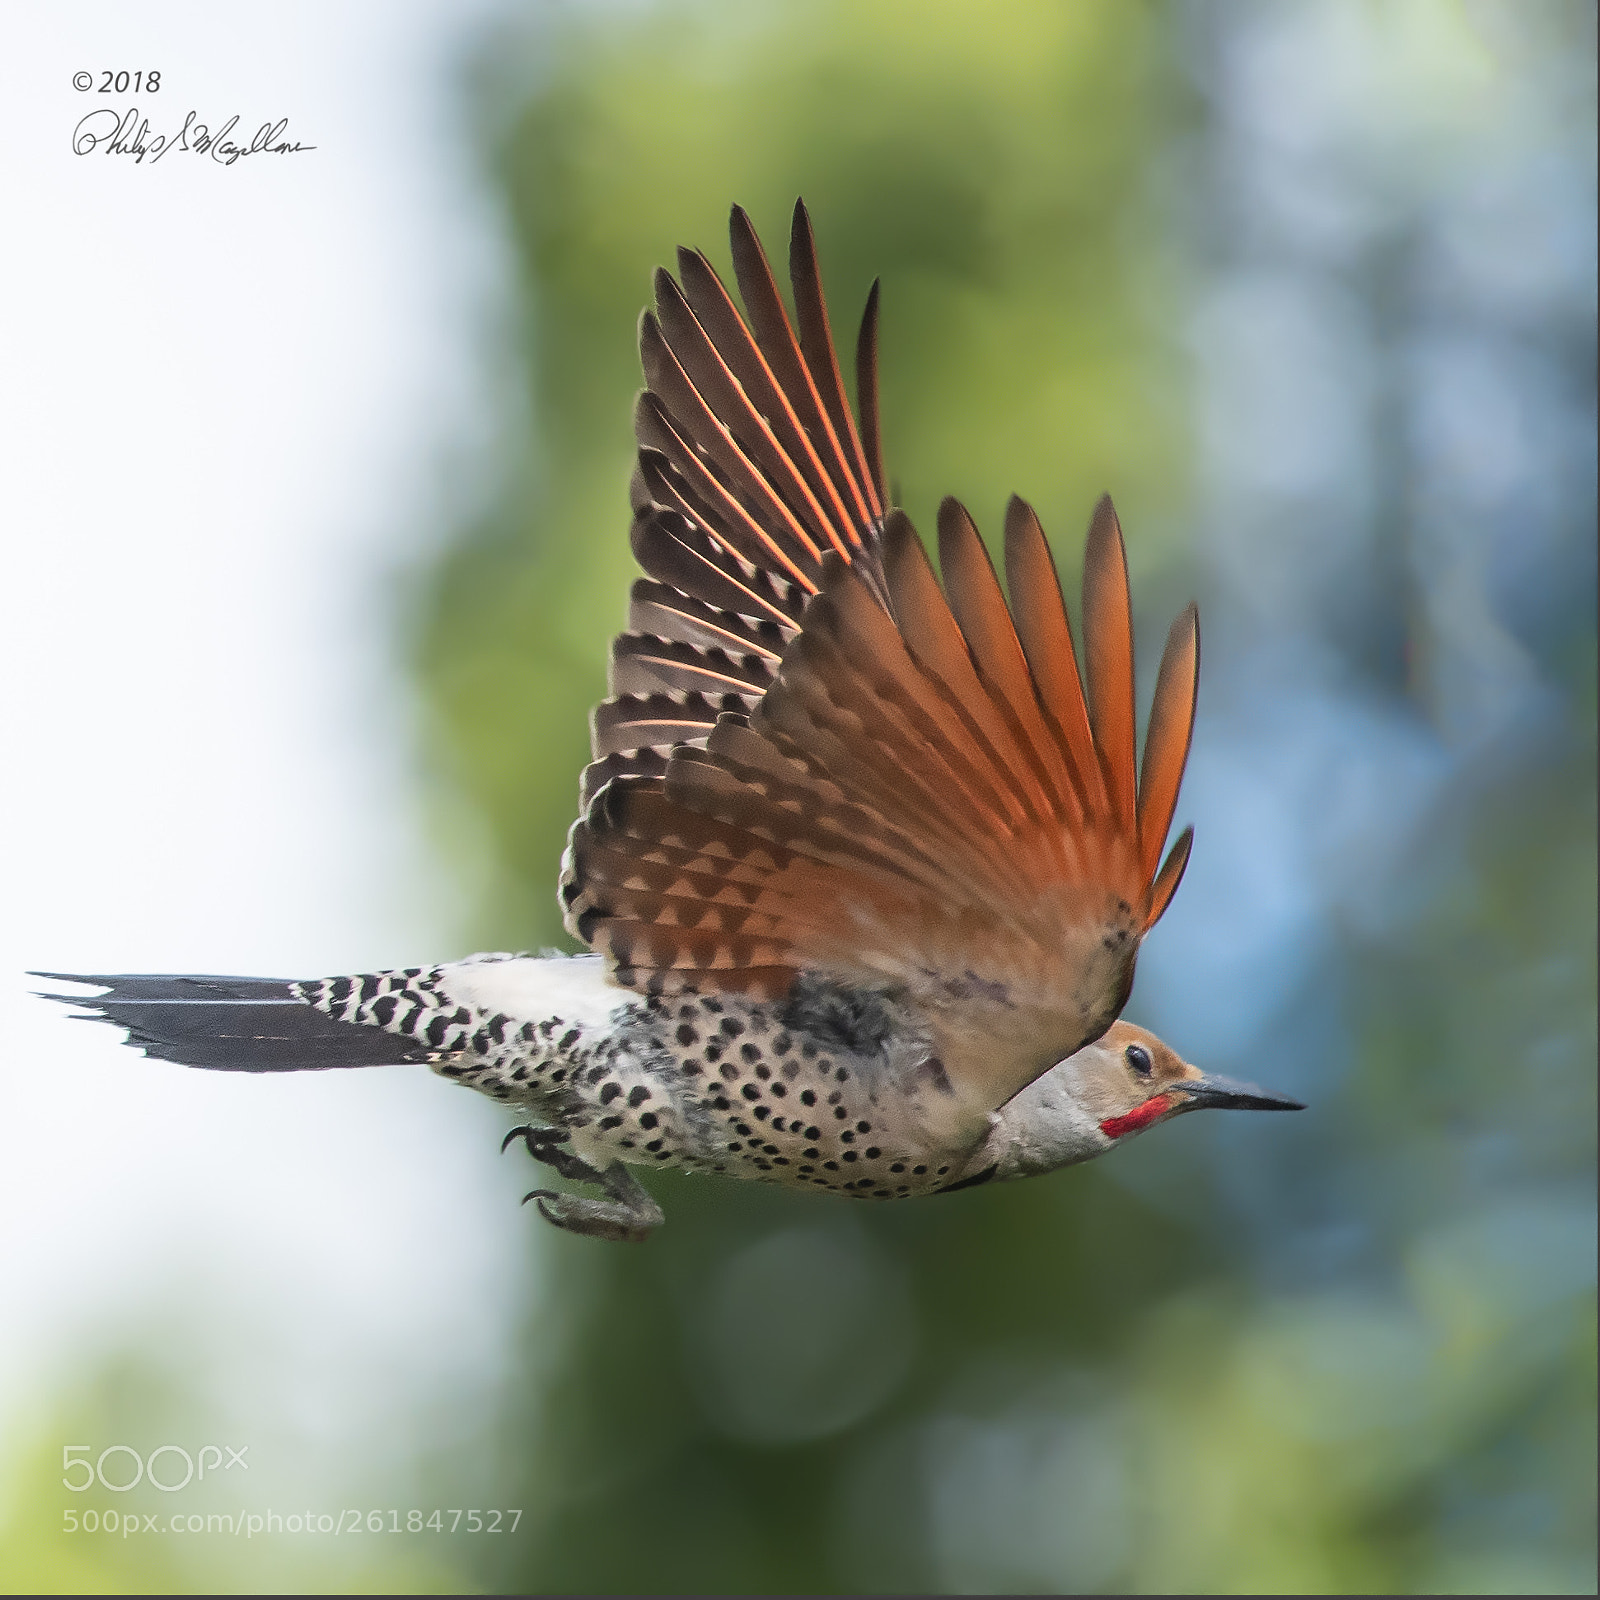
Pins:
x: 818, y: 757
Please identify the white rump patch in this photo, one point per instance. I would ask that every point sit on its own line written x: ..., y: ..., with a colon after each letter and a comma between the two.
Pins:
x: 575, y: 989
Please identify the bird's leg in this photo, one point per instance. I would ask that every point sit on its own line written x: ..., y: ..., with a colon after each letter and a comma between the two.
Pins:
x: 627, y: 1213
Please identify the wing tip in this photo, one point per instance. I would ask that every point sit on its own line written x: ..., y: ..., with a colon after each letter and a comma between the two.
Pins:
x: 1170, y: 876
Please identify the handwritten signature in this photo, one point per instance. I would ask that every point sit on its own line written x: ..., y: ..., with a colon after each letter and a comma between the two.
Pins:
x: 126, y: 133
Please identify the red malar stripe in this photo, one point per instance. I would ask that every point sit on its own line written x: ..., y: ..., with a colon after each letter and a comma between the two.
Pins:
x: 1140, y: 1117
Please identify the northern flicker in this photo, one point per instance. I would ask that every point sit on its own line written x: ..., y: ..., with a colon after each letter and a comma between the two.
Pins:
x: 863, y: 862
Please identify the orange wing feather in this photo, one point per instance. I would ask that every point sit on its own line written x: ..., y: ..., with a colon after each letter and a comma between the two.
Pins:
x: 817, y: 758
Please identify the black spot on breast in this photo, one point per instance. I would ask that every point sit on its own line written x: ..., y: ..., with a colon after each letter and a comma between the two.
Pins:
x: 783, y: 1044
x: 638, y: 1095
x: 760, y: 1113
x: 713, y: 1053
x: 648, y: 1120
x: 777, y: 1088
x: 610, y: 1093
x: 687, y: 1035
x: 729, y: 1071
x: 752, y: 1054
x: 813, y: 1133
x: 808, y: 1097
x: 750, y: 1092
x: 611, y: 1122
x: 863, y: 1127
x: 840, y: 1113
x: 873, y: 1152
x: 732, y: 1026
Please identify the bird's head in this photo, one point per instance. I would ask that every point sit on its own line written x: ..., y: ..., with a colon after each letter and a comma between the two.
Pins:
x: 1129, y: 1080
x: 1126, y: 1081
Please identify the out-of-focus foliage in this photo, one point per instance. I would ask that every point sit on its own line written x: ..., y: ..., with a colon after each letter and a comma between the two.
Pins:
x: 1350, y: 1350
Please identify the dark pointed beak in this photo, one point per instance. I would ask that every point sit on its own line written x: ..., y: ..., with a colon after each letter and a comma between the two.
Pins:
x: 1224, y: 1094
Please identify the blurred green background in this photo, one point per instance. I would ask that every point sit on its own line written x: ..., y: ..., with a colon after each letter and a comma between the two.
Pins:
x: 1310, y: 289
x: 1351, y: 1353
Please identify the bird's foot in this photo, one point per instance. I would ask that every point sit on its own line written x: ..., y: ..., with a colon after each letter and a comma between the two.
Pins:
x: 622, y: 1220
x: 549, y: 1147
x: 627, y: 1213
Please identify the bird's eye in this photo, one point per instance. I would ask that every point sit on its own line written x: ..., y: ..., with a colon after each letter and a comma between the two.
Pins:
x: 1139, y: 1059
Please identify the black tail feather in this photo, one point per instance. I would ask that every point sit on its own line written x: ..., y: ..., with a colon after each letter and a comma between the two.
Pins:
x: 232, y: 1024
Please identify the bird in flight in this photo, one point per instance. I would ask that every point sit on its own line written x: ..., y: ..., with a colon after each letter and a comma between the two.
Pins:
x: 863, y: 861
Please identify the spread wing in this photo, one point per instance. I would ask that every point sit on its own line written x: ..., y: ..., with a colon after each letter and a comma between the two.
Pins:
x: 817, y: 758
x: 751, y: 470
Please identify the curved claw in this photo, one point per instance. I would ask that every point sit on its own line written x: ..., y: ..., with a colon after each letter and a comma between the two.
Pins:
x: 597, y: 1219
x: 524, y: 1132
x: 540, y: 1194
